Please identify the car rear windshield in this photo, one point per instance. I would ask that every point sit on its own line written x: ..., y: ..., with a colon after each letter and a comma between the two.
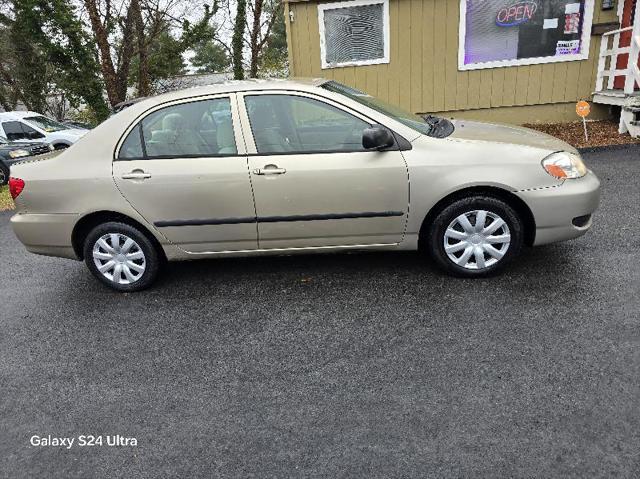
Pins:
x: 47, y: 124
x: 409, y: 119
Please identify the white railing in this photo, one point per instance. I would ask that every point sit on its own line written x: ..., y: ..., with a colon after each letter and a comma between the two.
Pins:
x: 611, y: 52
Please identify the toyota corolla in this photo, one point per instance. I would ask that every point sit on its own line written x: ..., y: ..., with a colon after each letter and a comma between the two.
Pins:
x: 280, y: 167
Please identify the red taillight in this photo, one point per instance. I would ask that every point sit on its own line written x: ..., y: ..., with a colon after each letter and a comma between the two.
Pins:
x: 16, y: 185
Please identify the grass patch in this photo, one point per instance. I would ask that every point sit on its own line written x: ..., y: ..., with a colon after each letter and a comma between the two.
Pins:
x: 6, y: 203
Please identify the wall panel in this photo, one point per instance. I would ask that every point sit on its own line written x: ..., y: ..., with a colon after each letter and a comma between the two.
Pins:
x: 423, y: 75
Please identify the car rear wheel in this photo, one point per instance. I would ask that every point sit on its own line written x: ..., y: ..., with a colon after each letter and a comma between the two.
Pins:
x: 121, y: 257
x: 475, y: 236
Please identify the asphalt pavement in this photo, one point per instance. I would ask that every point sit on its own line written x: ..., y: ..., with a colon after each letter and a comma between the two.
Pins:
x: 355, y: 365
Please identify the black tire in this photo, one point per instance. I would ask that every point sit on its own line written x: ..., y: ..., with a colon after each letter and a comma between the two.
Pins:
x: 4, y: 174
x: 152, y: 257
x: 60, y: 146
x: 435, y: 237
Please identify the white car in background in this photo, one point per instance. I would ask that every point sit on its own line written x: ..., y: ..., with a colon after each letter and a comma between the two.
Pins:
x: 28, y: 126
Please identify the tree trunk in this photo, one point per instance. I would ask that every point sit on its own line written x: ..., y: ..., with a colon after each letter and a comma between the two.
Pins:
x: 144, y: 86
x: 126, y: 54
x: 237, y: 40
x: 254, y: 38
x: 4, y: 103
x: 106, y: 64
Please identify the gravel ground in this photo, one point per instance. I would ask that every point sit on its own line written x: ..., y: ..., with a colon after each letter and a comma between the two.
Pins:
x: 366, y: 365
x: 600, y: 133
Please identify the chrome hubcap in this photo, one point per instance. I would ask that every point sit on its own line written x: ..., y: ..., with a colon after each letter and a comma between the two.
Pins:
x: 477, y: 239
x: 119, y: 258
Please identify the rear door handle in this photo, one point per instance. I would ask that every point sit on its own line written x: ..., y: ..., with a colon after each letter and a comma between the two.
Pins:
x: 269, y: 170
x: 136, y: 175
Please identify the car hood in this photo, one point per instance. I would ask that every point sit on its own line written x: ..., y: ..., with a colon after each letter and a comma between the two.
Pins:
x: 35, y: 158
x: 515, y: 135
x: 75, y: 133
x: 14, y: 145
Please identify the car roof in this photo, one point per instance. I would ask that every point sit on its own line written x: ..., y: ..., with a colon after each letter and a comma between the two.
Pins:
x: 17, y: 115
x: 232, y: 86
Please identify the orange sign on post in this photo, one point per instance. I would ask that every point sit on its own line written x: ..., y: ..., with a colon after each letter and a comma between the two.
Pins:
x: 583, y: 109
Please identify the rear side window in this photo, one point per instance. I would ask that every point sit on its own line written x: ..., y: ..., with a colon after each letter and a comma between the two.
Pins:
x: 189, y: 130
x: 132, y: 146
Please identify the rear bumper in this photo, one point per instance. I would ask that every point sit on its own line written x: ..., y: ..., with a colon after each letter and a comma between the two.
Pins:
x: 555, y: 209
x: 46, y: 234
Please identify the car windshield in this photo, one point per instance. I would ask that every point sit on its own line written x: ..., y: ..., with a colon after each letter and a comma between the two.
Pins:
x: 47, y: 124
x: 409, y: 119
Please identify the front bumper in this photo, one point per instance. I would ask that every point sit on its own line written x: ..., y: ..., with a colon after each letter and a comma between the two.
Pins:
x: 555, y: 208
x: 46, y: 234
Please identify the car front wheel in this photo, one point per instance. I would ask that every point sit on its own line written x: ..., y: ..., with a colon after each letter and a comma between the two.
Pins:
x: 475, y: 236
x: 121, y: 257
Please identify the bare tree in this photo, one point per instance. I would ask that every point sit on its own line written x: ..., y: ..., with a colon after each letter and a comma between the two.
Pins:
x: 126, y: 30
x: 115, y: 78
x: 261, y: 29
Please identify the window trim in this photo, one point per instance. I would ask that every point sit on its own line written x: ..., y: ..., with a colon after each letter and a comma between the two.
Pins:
x: 137, y: 123
x: 585, y: 42
x: 253, y: 148
x: 354, y: 3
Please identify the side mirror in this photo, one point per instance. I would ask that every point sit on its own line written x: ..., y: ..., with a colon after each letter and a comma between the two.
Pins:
x: 377, y: 138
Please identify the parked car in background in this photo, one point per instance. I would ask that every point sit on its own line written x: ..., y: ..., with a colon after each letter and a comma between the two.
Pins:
x: 282, y: 167
x: 31, y: 127
x: 14, y: 151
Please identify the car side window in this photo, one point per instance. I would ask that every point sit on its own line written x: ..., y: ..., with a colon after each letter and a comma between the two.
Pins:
x: 297, y: 124
x: 13, y: 130
x: 132, y: 146
x: 195, y: 129
x: 31, y: 132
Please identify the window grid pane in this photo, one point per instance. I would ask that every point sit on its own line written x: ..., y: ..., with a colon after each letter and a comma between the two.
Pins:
x: 354, y: 34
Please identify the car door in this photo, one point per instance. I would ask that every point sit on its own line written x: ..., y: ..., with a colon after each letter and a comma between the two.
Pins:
x: 314, y: 185
x: 186, y: 173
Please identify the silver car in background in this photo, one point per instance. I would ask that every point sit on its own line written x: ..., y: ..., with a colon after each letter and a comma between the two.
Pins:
x: 281, y: 167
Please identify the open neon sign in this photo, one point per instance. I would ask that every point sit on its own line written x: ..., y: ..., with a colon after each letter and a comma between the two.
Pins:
x: 516, y: 14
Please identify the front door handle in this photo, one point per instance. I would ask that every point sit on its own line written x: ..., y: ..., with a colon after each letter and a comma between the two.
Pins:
x: 269, y: 170
x: 136, y: 175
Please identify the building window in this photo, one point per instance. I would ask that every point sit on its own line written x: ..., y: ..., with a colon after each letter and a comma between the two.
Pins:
x: 499, y: 33
x: 354, y: 33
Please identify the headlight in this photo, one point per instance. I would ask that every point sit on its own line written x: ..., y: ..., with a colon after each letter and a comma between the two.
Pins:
x: 564, y: 165
x: 18, y: 153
